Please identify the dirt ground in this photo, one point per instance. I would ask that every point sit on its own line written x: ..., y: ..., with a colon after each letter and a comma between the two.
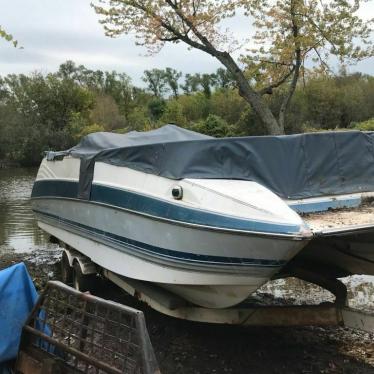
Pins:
x: 192, y: 348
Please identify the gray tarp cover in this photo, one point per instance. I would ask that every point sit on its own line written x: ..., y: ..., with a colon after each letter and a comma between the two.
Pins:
x: 292, y: 166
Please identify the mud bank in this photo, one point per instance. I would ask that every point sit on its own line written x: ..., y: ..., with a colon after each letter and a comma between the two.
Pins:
x: 192, y: 348
x: 294, y: 291
x: 42, y: 265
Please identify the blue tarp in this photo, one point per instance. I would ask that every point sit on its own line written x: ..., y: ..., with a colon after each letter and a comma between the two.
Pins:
x: 17, y: 297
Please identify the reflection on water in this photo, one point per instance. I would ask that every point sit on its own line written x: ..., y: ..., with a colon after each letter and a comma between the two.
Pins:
x: 18, y: 228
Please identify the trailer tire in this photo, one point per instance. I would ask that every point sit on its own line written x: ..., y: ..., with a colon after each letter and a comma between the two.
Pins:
x: 66, y: 270
x: 82, y: 282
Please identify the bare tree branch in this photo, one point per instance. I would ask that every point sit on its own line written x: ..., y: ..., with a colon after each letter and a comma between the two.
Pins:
x: 269, y: 89
x: 287, y: 34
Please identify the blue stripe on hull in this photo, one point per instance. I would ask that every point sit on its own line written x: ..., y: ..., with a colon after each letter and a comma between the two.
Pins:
x: 157, y: 208
x: 167, y: 253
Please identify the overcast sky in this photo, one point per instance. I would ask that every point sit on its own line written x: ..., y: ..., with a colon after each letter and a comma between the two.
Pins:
x: 53, y: 31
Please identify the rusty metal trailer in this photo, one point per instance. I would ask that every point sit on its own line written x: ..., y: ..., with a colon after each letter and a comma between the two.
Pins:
x: 78, y: 269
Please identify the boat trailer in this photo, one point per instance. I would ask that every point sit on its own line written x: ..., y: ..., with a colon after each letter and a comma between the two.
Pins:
x: 329, y: 314
x: 245, y: 314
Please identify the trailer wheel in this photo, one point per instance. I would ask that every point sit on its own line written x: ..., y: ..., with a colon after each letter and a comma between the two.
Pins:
x: 66, y: 270
x: 82, y: 282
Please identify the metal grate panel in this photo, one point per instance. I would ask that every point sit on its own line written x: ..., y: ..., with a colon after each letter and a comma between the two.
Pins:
x: 89, y: 334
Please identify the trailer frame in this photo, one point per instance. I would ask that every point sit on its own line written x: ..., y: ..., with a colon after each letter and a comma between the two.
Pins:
x: 244, y: 314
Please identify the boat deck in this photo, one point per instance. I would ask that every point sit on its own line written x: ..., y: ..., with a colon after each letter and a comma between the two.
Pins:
x: 341, y: 218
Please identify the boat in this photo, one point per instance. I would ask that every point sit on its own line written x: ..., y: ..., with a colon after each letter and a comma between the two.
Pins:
x: 210, y: 220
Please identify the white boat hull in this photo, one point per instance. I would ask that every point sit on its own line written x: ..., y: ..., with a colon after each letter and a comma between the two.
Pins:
x: 211, y: 248
x: 206, y: 283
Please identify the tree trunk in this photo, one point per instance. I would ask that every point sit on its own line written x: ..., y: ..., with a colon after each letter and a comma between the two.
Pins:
x: 295, y: 78
x: 245, y: 90
x: 251, y: 96
x: 263, y: 111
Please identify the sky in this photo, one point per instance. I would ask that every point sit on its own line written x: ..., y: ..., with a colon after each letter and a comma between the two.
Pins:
x: 53, y: 31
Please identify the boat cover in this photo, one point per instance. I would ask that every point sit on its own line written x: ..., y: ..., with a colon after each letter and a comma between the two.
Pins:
x: 17, y: 297
x: 292, y: 166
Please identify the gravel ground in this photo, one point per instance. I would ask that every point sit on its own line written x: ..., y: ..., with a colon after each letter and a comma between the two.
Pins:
x: 193, y: 348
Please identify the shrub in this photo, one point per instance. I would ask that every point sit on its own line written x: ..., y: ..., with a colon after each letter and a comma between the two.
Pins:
x: 364, y: 126
x: 214, y: 126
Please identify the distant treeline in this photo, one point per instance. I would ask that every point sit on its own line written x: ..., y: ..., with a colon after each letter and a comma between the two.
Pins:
x: 42, y: 112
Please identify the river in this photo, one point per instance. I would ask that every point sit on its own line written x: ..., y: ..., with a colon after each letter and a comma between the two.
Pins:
x: 19, y: 233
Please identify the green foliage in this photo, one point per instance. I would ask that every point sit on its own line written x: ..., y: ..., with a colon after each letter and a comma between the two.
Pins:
x: 249, y: 125
x: 174, y: 113
x: 43, y: 112
x: 203, y: 82
x: 215, y: 126
x: 289, y: 39
x: 195, y: 106
x: 224, y: 79
x: 228, y: 104
x: 156, y: 108
x: 90, y: 129
x: 8, y: 37
x: 106, y: 112
x: 44, y: 108
x: 138, y: 119
x: 332, y: 103
x: 364, y: 126
x: 156, y: 82
x: 171, y: 76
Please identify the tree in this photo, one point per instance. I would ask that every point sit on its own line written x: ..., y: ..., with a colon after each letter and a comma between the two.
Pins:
x: 228, y: 105
x: 224, y: 79
x: 106, y: 113
x: 172, y: 77
x: 119, y: 86
x: 195, y: 107
x: 174, y: 113
x: 155, y: 80
x: 44, y: 110
x: 67, y: 70
x: 290, y: 35
x: 191, y: 83
x: 194, y: 82
x: 364, y: 126
x: 214, y: 126
x: 206, y: 82
x: 156, y: 108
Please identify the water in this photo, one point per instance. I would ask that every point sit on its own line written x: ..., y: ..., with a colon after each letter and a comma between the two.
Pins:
x: 18, y: 229
x: 20, y: 233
